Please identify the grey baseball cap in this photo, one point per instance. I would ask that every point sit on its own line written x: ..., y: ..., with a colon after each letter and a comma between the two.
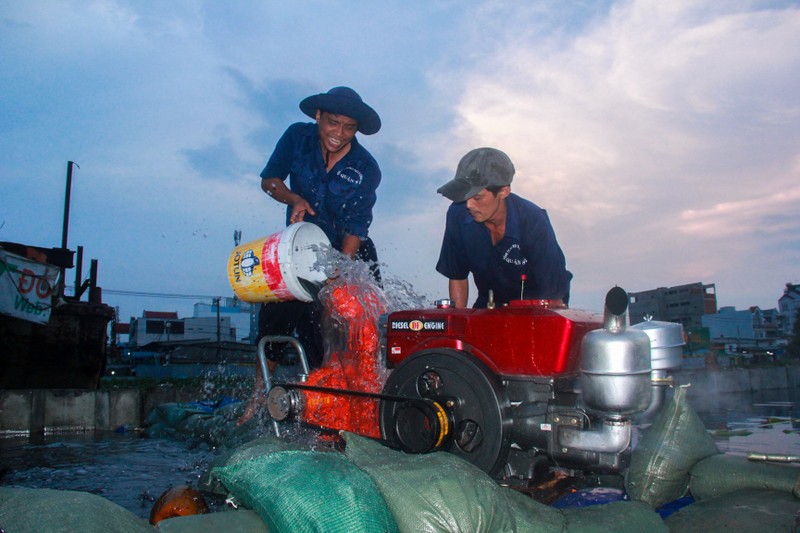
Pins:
x: 480, y: 168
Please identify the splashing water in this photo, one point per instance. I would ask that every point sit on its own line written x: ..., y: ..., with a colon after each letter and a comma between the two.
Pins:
x: 399, y: 293
x: 353, y: 302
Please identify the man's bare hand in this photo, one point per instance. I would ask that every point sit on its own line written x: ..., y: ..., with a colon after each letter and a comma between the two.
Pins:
x: 299, y: 209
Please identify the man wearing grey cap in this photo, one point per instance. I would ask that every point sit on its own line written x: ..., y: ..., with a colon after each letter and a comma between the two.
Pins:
x: 505, y: 241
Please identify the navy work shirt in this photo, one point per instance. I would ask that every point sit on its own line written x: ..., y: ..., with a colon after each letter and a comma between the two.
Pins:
x: 342, y: 198
x: 528, y: 247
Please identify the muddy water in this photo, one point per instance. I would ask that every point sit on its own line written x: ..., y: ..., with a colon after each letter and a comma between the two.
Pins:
x: 761, y: 422
x: 125, y: 469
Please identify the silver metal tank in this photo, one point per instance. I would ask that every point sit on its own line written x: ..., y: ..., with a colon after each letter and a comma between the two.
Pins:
x: 666, y: 343
x: 615, y: 363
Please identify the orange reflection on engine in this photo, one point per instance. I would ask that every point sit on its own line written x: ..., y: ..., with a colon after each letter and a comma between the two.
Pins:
x: 352, y: 362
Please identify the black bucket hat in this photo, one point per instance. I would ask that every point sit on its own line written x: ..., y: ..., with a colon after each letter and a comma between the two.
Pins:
x: 344, y: 101
x: 480, y: 168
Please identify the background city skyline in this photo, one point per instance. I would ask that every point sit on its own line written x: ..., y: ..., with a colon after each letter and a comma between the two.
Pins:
x: 662, y: 138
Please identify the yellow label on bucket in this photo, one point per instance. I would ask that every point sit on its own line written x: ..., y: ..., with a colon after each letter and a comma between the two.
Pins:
x: 269, y: 269
x: 246, y: 273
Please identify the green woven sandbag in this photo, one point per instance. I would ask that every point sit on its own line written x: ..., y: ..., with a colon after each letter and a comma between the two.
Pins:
x: 299, y: 491
x: 64, y: 511
x: 745, y: 510
x: 722, y: 474
x: 240, y: 521
x: 173, y: 413
x: 258, y: 447
x: 440, y: 492
x: 193, y: 425
x: 660, y: 463
x: 223, y: 427
x: 209, y: 427
x: 531, y: 516
x: 615, y: 517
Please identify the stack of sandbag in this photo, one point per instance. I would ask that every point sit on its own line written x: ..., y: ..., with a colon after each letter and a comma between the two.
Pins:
x: 660, y: 463
x: 198, y: 421
x: 266, y: 444
x: 443, y: 492
x: 743, y: 510
x: 677, y: 457
x: 722, y: 474
x: 232, y: 521
x: 735, y: 494
x: 307, y: 491
x: 26, y: 510
x: 374, y: 488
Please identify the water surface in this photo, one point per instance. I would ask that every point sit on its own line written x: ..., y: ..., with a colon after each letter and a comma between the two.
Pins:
x: 125, y: 469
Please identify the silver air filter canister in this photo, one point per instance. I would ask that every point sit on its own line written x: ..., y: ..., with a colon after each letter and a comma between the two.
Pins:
x: 666, y: 343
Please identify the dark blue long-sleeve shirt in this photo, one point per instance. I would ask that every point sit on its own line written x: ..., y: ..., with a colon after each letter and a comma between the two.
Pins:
x: 342, y: 198
x: 528, y: 247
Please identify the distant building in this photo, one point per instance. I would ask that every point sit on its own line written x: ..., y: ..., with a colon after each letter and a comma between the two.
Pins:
x: 730, y: 325
x: 747, y: 329
x: 685, y: 304
x: 788, y: 304
x: 242, y: 315
x: 166, y: 327
x: 770, y: 327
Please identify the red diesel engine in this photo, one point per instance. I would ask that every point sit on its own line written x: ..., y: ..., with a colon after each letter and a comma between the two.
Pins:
x: 506, y: 388
x: 509, y: 389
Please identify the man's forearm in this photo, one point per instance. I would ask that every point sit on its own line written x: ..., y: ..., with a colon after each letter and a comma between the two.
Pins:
x: 459, y: 292
x: 278, y: 190
x: 350, y: 245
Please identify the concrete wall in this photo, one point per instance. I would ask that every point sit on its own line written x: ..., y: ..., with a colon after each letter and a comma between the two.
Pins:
x: 38, y: 410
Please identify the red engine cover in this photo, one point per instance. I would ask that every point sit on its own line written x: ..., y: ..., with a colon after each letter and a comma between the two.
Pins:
x: 525, y: 338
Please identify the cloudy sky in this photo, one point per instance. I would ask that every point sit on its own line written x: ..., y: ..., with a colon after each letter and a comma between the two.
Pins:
x: 663, y: 138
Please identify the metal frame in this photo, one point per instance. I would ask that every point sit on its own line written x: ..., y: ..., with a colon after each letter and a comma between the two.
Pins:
x: 262, y: 363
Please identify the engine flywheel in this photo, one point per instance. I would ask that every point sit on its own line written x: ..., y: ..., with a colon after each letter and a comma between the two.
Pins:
x: 465, y: 412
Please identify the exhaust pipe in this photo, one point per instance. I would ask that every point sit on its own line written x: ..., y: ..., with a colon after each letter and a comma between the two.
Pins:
x: 659, y: 383
x: 614, y: 315
x: 613, y: 436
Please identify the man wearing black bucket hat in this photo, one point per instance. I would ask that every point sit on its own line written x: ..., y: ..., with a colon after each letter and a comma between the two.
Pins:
x: 505, y: 241
x: 332, y: 183
x: 332, y: 178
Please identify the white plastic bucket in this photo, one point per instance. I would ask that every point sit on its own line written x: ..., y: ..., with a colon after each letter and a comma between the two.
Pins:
x: 269, y: 269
